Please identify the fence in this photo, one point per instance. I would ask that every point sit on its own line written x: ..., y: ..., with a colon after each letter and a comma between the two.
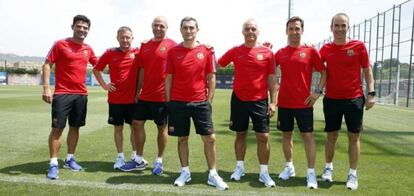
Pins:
x: 388, y: 37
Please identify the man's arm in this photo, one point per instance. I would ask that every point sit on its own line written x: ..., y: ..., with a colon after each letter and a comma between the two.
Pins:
x: 369, y: 79
x: 272, y: 83
x: 311, y: 100
x: 47, y: 94
x: 211, y: 82
x: 98, y: 75
x: 140, y: 83
x: 168, y: 85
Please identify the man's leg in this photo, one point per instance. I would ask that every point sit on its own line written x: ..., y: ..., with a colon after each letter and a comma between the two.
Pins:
x: 310, y: 148
x: 263, y: 148
x: 55, y: 142
x: 240, y: 145
x: 162, y: 139
x: 183, y: 150
x: 72, y: 139
x: 330, y: 146
x: 287, y: 145
x: 210, y: 150
x: 118, y: 137
x: 139, y: 135
x: 353, y: 149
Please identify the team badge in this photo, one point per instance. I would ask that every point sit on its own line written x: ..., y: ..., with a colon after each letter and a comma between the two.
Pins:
x: 350, y: 52
x: 85, y: 53
x: 132, y: 55
x: 259, y: 57
x: 302, y: 55
x: 162, y: 49
x: 200, y: 55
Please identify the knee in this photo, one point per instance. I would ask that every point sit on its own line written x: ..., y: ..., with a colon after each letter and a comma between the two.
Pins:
x: 211, y: 139
x: 262, y: 138
x: 183, y: 140
x: 241, y: 136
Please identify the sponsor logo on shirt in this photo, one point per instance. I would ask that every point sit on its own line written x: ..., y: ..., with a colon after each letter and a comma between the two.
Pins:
x: 302, y: 55
x: 350, y: 52
x: 85, y: 53
x: 259, y: 57
x: 163, y: 48
x: 200, y: 55
x: 132, y: 56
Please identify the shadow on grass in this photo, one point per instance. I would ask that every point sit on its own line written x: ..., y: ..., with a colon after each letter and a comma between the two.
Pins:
x: 40, y: 168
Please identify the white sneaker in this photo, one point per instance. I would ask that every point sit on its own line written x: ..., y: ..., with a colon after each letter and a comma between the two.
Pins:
x: 183, y: 178
x: 312, y: 183
x: 327, y: 174
x: 217, y: 181
x: 119, y: 162
x: 287, y: 173
x: 266, y: 180
x: 238, y: 173
x: 352, y: 182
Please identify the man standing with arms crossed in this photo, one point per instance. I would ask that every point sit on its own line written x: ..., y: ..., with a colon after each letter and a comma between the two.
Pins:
x: 254, y: 76
x: 344, y: 95
x: 297, y: 63
x: 189, y: 89
x: 151, y: 94
x: 70, y: 57
x: 121, y: 88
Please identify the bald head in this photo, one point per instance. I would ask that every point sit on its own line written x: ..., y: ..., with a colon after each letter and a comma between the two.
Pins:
x: 250, y: 22
x: 159, y: 27
x: 339, y: 15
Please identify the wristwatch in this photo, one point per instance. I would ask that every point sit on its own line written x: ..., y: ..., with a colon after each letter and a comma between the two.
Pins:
x: 372, y: 93
x: 318, y: 90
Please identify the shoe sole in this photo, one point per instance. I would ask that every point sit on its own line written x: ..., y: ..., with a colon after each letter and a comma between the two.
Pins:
x: 68, y: 167
x: 52, y: 178
x: 293, y: 175
x: 312, y: 187
x: 327, y: 179
x: 269, y: 186
x: 219, y: 188
x: 235, y: 179
x: 188, y: 180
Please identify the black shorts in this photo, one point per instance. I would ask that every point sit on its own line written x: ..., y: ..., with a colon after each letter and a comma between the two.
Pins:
x: 179, y: 114
x: 70, y: 106
x: 120, y: 113
x: 242, y: 110
x: 303, y: 116
x: 148, y: 110
x: 351, y: 109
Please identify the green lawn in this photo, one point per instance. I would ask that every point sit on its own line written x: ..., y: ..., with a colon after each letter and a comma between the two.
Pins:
x: 386, y: 166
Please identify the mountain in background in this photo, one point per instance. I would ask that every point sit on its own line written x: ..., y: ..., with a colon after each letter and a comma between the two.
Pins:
x: 12, y: 58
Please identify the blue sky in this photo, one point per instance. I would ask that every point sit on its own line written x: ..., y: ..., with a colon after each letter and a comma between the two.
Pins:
x: 29, y: 27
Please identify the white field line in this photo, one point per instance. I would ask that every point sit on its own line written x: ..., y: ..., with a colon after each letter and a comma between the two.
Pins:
x: 137, y: 187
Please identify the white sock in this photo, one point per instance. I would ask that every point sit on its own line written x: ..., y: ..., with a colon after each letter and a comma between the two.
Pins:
x: 290, y: 164
x: 133, y: 154
x: 121, y: 155
x: 138, y: 159
x: 329, y: 165
x: 311, y: 170
x: 186, y: 169
x: 158, y: 159
x: 353, y: 171
x: 240, y: 164
x: 54, y: 161
x: 69, y: 157
x: 213, y: 172
x: 263, y: 169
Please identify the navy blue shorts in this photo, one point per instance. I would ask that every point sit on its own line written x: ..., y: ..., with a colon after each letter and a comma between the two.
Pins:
x: 180, y: 113
x: 120, y: 113
x: 148, y: 110
x: 70, y: 106
x: 242, y: 110
x: 351, y: 109
x: 303, y: 116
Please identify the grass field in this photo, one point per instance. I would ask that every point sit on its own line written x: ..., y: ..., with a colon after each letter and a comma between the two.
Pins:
x: 386, y: 166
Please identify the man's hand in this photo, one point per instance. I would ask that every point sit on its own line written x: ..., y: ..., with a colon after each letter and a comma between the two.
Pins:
x: 109, y: 87
x: 271, y: 109
x: 47, y: 95
x: 370, y: 102
x: 267, y: 44
x: 311, y: 100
